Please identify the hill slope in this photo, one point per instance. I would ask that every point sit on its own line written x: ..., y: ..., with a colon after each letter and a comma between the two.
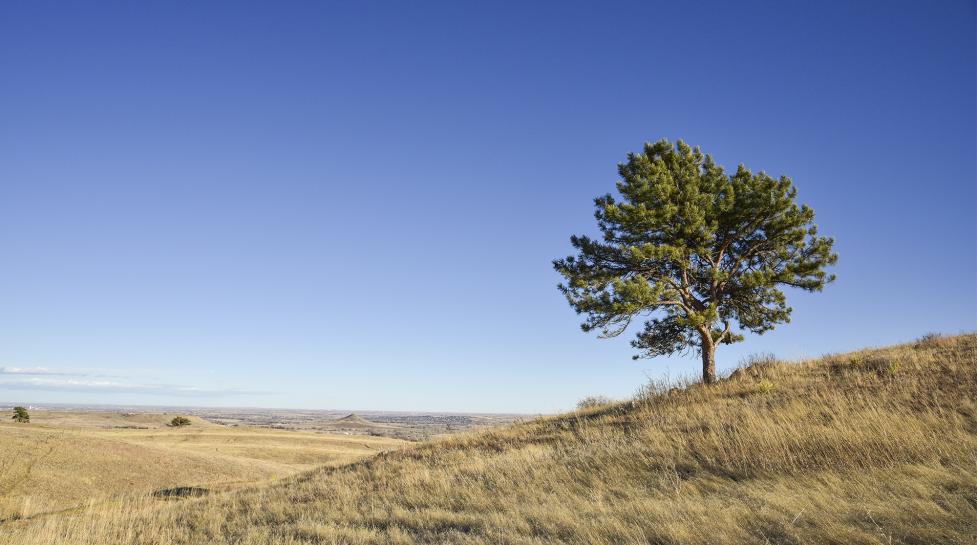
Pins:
x: 878, y: 446
x: 352, y: 422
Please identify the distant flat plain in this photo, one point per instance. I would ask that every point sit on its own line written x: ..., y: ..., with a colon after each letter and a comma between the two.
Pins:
x: 70, y: 456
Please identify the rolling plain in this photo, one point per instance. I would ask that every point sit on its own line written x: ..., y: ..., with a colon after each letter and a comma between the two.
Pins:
x: 66, y: 459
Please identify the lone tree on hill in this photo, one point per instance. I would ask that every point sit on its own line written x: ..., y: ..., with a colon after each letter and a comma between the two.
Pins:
x: 696, y: 250
x: 179, y: 422
x: 20, y: 415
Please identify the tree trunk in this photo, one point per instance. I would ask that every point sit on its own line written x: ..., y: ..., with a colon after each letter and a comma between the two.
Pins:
x: 708, y: 359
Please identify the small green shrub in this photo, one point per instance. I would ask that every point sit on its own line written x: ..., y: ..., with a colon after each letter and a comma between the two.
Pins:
x: 21, y: 415
x: 765, y: 386
x: 179, y: 422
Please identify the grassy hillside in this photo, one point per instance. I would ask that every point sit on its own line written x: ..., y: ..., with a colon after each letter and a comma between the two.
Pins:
x: 62, y: 460
x: 878, y: 446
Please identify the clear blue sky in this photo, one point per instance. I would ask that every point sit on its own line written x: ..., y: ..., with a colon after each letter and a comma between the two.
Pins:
x: 355, y: 204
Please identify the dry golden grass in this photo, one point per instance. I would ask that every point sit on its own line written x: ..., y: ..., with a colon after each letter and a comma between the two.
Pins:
x: 65, y: 459
x: 110, y: 420
x: 879, y: 446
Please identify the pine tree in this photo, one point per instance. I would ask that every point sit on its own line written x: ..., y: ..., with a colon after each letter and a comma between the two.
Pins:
x: 702, y: 253
x: 21, y: 415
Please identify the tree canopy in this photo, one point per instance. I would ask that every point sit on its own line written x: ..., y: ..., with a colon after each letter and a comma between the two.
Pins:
x: 179, y: 421
x: 702, y: 254
x: 21, y: 415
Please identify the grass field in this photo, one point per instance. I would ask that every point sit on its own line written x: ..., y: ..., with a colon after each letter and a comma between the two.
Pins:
x: 65, y: 459
x: 878, y: 446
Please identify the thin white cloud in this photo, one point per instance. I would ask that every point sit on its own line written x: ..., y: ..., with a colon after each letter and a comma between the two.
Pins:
x: 37, y: 371
x: 41, y: 371
x: 117, y: 387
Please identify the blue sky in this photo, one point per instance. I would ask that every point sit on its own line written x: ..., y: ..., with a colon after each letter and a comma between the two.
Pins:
x: 355, y: 205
